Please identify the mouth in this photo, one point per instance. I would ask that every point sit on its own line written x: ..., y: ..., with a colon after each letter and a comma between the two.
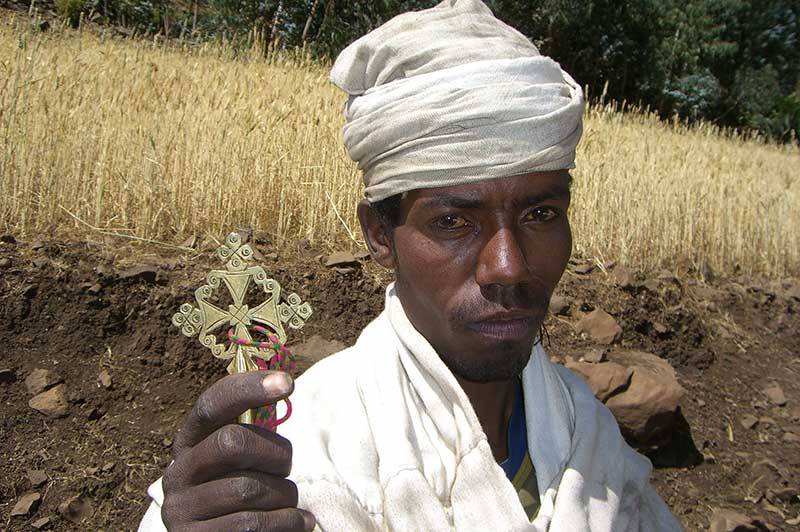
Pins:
x: 507, y: 326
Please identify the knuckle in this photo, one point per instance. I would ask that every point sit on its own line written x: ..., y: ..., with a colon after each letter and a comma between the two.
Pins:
x: 231, y: 439
x: 204, y: 409
x: 246, y: 489
x: 250, y: 522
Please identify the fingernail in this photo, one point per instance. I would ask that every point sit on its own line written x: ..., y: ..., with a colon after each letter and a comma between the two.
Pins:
x: 278, y: 382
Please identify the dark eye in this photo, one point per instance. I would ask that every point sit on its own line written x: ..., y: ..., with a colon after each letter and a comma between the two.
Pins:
x: 451, y: 222
x: 541, y: 214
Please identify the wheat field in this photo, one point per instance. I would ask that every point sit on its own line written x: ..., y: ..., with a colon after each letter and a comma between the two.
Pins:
x: 158, y: 142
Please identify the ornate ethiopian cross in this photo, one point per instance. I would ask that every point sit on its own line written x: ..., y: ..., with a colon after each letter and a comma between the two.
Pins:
x: 266, y: 316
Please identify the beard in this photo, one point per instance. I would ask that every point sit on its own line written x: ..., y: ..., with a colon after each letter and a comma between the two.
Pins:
x: 505, y: 362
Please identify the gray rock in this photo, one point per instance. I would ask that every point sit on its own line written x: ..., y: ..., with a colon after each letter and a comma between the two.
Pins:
x: 41, y: 379
x: 622, y: 277
x: 775, y: 395
x: 42, y: 523
x: 76, y: 508
x: 52, y: 403
x: 37, y: 477
x: 26, y: 504
x: 595, y: 356
x: 341, y: 259
x: 105, y: 379
x: 725, y: 520
x: 600, y: 326
x: 605, y: 379
x: 646, y: 410
x: 559, y: 305
x: 5, y: 263
x: 749, y: 421
x: 144, y: 272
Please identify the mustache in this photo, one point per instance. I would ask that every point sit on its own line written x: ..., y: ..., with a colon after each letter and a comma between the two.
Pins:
x: 514, y: 301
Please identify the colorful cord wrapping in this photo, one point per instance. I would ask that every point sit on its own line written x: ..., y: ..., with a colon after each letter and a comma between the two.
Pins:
x: 282, y: 360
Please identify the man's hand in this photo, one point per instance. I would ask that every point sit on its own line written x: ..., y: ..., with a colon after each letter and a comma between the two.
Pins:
x: 227, y: 476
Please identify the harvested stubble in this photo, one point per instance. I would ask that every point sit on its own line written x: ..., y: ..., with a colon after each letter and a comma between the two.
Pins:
x: 161, y: 141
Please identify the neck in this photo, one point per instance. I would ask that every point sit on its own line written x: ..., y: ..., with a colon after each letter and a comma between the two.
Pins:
x: 493, y: 403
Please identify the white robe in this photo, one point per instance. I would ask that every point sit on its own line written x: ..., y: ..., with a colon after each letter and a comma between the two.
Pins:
x: 384, y: 438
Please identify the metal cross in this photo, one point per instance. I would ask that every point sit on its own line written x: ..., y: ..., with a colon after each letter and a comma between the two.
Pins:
x: 207, y: 320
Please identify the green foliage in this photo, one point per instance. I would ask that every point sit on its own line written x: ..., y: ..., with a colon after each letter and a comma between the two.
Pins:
x: 71, y: 11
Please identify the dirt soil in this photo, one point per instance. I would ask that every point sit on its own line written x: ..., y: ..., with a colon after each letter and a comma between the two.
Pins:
x: 78, y: 308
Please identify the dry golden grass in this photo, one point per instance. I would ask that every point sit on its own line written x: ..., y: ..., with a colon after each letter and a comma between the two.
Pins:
x: 161, y: 142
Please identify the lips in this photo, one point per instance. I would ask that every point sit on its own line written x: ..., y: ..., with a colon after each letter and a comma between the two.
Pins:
x: 511, y: 326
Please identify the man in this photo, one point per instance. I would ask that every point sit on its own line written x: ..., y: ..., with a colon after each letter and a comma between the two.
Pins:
x: 446, y: 413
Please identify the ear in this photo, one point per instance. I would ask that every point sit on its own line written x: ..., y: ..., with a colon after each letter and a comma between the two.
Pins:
x: 378, y: 236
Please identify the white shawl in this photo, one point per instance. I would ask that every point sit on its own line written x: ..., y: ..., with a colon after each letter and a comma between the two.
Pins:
x: 384, y: 438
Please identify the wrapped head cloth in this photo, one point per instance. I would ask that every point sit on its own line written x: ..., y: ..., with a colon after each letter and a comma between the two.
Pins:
x: 451, y: 95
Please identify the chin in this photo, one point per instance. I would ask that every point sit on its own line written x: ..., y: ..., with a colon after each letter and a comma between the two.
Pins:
x: 504, y: 362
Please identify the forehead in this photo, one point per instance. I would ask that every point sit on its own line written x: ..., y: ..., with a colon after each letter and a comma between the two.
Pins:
x: 502, y: 192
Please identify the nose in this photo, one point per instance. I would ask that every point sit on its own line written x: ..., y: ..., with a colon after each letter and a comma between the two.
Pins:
x: 502, y: 262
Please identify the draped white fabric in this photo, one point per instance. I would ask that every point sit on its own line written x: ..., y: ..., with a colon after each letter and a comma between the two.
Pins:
x: 451, y: 95
x: 384, y: 438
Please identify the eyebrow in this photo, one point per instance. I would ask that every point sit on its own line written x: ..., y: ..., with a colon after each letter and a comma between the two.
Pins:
x: 557, y: 191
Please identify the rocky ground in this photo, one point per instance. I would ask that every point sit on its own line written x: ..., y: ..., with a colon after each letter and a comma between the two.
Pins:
x: 94, y: 379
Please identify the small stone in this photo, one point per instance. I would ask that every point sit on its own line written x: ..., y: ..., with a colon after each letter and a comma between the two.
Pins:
x: 108, y: 466
x: 749, y: 421
x: 622, y: 277
x: 341, y: 258
x: 559, y: 305
x: 7, y: 376
x: 52, y: 403
x: 144, y: 272
x: 95, y: 289
x: 105, y: 379
x: 724, y: 520
x: 600, y: 326
x: 5, y: 263
x: 790, y: 437
x: 37, y: 477
x: 609, y: 264
x: 42, y: 523
x: 37, y: 245
x: 651, y: 285
x: 76, y: 508
x: 775, y: 395
x: 26, y: 504
x: 41, y: 379
x: 95, y: 414
x: 166, y: 442
x: 595, y: 356
x: 40, y: 262
x: 659, y: 328
x: 767, y: 421
x: 584, y: 268
x: 794, y: 413
x: 701, y: 403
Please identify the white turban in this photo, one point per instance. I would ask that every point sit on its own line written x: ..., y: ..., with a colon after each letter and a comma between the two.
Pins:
x: 451, y: 95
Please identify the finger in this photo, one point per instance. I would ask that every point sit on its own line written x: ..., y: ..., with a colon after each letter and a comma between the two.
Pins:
x: 284, y: 520
x: 231, y: 448
x: 243, y: 491
x: 226, y: 399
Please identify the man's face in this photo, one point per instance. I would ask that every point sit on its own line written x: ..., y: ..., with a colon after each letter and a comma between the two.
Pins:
x: 476, y: 265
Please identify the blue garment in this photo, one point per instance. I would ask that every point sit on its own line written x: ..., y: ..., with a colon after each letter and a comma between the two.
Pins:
x: 517, y: 435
